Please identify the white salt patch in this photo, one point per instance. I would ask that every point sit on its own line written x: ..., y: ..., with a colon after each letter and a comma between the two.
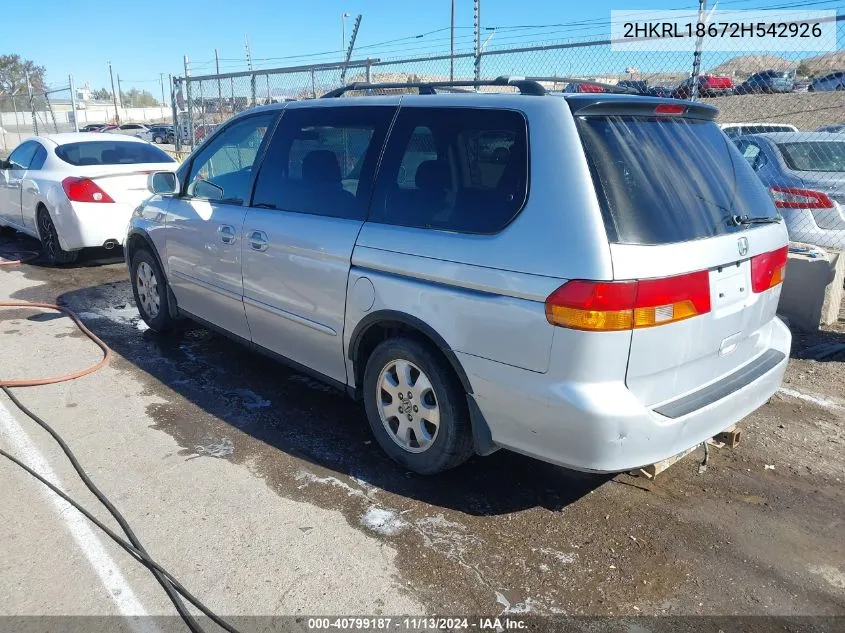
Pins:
x: 383, y: 521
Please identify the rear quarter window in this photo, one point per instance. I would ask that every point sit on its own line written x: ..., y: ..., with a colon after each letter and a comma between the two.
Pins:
x: 662, y: 180
x: 111, y: 153
x: 453, y: 169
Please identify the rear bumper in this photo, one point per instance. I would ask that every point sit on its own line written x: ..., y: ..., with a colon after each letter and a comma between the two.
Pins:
x: 89, y: 224
x: 603, y: 427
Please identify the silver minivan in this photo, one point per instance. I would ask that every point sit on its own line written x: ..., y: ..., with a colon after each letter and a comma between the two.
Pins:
x: 588, y: 279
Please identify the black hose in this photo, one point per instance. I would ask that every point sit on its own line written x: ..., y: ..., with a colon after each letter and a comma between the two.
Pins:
x: 170, y: 585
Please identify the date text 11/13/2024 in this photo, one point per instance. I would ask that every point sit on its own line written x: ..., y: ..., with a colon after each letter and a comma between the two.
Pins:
x: 415, y: 623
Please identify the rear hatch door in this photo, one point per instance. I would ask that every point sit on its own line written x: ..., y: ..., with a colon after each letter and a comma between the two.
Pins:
x: 678, y: 198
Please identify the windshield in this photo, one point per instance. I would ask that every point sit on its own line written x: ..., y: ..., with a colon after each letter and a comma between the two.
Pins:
x: 111, y: 153
x: 665, y: 180
x: 814, y: 156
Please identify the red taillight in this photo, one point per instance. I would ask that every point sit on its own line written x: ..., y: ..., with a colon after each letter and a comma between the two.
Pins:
x: 625, y: 305
x: 84, y: 190
x: 768, y: 269
x: 794, y: 198
x: 670, y: 108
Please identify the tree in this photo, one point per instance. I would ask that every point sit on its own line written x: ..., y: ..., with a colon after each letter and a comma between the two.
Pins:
x: 101, y: 95
x: 13, y: 71
x: 137, y: 99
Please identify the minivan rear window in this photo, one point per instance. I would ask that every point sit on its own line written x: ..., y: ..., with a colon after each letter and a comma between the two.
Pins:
x: 111, y: 153
x: 661, y: 180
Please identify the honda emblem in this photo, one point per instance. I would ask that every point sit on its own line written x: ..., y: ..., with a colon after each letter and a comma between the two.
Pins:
x: 742, y: 245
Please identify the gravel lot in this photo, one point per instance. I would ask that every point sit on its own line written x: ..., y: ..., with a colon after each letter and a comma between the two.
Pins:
x: 264, y: 492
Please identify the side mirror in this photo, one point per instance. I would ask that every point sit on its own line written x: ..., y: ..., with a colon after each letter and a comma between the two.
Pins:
x: 163, y: 182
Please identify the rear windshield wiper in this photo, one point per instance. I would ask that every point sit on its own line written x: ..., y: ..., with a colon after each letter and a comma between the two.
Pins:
x: 744, y: 220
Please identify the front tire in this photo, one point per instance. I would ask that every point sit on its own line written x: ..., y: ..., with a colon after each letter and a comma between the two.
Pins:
x: 417, y: 407
x: 50, y: 246
x: 149, y: 288
x: 158, y: 140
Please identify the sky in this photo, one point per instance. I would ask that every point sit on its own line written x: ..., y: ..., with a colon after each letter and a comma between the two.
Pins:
x: 136, y: 39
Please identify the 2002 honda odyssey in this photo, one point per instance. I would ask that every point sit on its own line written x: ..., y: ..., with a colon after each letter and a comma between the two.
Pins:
x: 589, y: 279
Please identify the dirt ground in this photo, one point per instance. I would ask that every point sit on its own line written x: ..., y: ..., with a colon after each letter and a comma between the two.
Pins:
x: 760, y: 532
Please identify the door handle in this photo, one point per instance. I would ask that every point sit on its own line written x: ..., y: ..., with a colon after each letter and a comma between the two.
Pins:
x: 258, y: 240
x: 226, y: 233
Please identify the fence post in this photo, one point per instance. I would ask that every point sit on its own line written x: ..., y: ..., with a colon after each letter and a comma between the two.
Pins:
x: 313, y: 85
x: 189, y: 104
x: 252, y: 89
x: 369, y: 68
x: 17, y: 126
x: 52, y: 114
x: 476, y: 14
x: 696, y: 57
x: 31, y: 104
x: 73, y: 103
x: 177, y: 132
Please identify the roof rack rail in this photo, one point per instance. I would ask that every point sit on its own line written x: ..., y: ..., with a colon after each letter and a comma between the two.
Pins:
x: 525, y: 85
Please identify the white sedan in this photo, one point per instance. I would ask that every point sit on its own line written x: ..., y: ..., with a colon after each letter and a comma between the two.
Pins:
x: 75, y: 191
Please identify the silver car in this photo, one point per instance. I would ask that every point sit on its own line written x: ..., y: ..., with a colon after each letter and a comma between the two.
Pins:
x: 588, y: 279
x: 805, y: 174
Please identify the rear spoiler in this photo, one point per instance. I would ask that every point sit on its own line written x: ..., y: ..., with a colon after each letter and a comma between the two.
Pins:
x: 622, y: 105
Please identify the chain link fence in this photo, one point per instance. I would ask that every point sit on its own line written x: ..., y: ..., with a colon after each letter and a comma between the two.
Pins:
x: 48, y: 111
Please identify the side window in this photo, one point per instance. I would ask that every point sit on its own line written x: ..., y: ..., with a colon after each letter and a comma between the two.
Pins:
x: 38, y: 158
x: 322, y: 160
x: 455, y: 169
x: 23, y: 155
x: 755, y: 157
x: 223, y: 169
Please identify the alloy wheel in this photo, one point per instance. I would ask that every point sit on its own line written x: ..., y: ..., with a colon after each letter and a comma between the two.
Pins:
x: 408, y: 406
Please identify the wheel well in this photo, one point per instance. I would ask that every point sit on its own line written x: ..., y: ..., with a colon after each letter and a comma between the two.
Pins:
x: 137, y: 241
x: 366, y: 341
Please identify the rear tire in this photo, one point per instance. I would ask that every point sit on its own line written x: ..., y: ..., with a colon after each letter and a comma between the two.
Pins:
x: 158, y: 140
x: 150, y: 291
x: 416, y: 407
x: 50, y: 246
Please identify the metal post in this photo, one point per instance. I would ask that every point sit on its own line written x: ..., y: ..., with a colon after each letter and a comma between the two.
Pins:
x: 252, y: 88
x: 313, y: 85
x: 476, y: 23
x: 120, y: 93
x: 189, y: 104
x: 248, y: 53
x: 31, y: 104
x: 17, y: 125
x: 451, y: 45
x: 114, y: 95
x: 161, y: 78
x: 369, y: 70
x: 696, y: 58
x: 73, y: 103
x: 219, y: 88
x: 343, y: 17
x: 177, y: 133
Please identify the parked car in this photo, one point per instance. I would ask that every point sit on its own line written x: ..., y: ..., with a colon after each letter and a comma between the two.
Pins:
x: 637, y: 85
x: 158, y: 134
x: 839, y: 128
x: 767, y: 81
x: 833, y: 81
x: 740, y: 129
x: 582, y: 86
x: 805, y: 173
x: 708, y: 86
x: 801, y: 85
x: 107, y: 128
x: 376, y: 248
x: 92, y: 127
x: 659, y: 91
x: 128, y: 129
x: 78, y: 190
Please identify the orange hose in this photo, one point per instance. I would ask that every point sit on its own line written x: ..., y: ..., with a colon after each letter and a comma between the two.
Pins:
x: 35, y: 382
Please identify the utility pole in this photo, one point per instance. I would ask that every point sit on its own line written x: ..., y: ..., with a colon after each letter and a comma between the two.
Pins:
x: 476, y: 25
x: 452, y: 44
x: 343, y: 17
x: 219, y: 89
x: 161, y: 77
x: 114, y: 95
x: 73, y: 102
x: 696, y: 57
x: 351, y: 46
x: 31, y: 104
x: 120, y: 93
